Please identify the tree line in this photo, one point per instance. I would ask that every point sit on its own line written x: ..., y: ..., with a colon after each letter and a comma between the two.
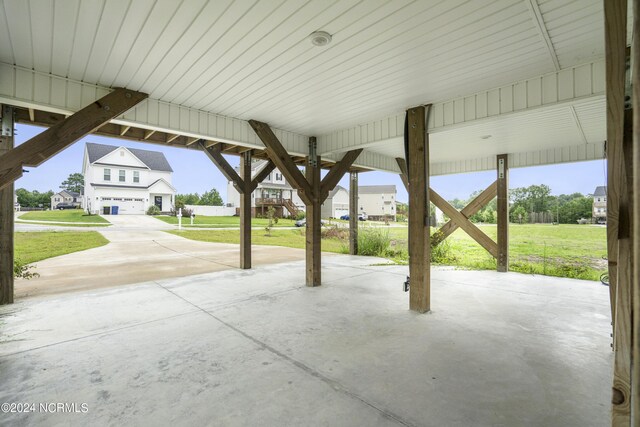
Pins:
x: 528, y: 202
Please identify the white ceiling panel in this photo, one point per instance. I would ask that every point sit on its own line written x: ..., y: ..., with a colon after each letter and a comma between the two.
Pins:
x: 252, y: 59
x: 514, y: 133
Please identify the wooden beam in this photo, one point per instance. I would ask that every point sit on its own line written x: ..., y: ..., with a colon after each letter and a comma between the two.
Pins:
x: 337, y: 172
x: 402, y: 164
x: 148, y: 133
x: 353, y: 213
x: 171, y: 137
x: 124, y: 129
x: 615, y: 24
x: 635, y: 189
x: 32, y: 114
x: 215, y: 155
x: 262, y: 174
x: 245, y: 213
x: 503, y: 213
x: 313, y: 226
x: 191, y: 141
x: 464, y: 223
x: 615, y: 68
x: 55, y: 139
x: 282, y: 159
x: 468, y: 211
x: 6, y: 212
x: 417, y: 143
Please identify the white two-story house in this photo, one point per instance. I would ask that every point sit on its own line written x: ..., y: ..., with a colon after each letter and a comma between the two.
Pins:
x: 274, y: 191
x: 120, y: 180
x: 377, y: 201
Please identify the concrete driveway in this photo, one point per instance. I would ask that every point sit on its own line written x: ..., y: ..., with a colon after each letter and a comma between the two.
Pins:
x: 140, y: 251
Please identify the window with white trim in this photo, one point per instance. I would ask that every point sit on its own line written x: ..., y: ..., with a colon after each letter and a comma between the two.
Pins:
x: 107, y: 174
x: 121, y: 175
x: 136, y: 176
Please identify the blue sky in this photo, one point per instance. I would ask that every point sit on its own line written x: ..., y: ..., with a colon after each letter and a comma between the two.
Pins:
x: 194, y: 172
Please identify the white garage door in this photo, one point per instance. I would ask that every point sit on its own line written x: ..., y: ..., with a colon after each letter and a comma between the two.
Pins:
x: 125, y: 206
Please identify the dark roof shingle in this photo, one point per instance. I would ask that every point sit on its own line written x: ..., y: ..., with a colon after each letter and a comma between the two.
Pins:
x: 154, y: 160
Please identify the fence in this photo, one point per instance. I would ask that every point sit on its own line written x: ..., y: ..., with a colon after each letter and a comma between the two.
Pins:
x: 211, y: 210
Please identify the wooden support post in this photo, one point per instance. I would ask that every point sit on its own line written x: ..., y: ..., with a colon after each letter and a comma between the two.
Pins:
x: 58, y: 137
x: 245, y: 212
x: 635, y: 189
x: 503, y: 213
x: 310, y: 188
x: 6, y: 212
x: 313, y: 235
x: 615, y: 12
x: 417, y: 142
x: 353, y: 213
x: 619, y: 136
x: 245, y: 185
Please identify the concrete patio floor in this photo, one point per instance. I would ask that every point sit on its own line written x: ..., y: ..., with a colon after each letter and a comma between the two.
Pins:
x: 258, y: 348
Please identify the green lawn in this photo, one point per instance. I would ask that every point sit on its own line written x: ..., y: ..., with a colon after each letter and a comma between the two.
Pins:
x: 222, y: 221
x: 557, y: 250
x: 67, y: 215
x: 288, y: 238
x: 36, y: 246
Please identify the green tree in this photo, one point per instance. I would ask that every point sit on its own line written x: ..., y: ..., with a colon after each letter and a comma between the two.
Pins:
x: 186, y: 199
x: 34, y: 199
x: 75, y: 182
x: 519, y: 215
x: 211, y: 198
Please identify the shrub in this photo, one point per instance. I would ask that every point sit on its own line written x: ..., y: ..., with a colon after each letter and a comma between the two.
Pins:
x: 301, y: 215
x: 335, y: 232
x: 22, y: 271
x: 401, y: 218
x: 174, y: 212
x: 153, y: 210
x: 373, y: 241
x: 442, y: 253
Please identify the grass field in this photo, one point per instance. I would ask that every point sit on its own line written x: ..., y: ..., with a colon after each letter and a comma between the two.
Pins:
x: 36, y: 246
x: 222, y: 221
x: 288, y: 238
x: 575, y: 251
x: 68, y: 215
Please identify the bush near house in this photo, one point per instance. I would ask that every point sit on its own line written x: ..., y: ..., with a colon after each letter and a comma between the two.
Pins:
x: 153, y: 210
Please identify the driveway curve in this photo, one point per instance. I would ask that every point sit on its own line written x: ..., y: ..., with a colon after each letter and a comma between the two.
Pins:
x: 140, y: 251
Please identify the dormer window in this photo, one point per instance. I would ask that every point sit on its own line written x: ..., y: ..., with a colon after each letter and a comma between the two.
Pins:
x: 107, y: 174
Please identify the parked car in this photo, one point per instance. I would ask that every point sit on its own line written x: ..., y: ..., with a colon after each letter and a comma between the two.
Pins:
x: 361, y: 217
x: 302, y: 222
x: 62, y: 206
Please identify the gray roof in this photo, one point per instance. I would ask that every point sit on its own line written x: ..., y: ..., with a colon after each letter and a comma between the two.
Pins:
x: 600, y: 191
x: 377, y: 189
x: 154, y: 160
x: 335, y: 190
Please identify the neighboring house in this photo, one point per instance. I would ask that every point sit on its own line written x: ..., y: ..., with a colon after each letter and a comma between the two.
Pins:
x: 272, y: 191
x: 126, y: 180
x: 336, y: 204
x: 377, y: 201
x: 600, y: 204
x: 66, y: 197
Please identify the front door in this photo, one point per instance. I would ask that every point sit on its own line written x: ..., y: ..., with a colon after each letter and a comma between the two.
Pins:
x: 158, y: 202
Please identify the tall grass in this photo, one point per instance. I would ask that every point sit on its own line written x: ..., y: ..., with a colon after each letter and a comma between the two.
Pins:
x: 373, y: 241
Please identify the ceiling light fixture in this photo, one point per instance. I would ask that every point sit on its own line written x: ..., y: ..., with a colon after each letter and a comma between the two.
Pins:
x: 485, y: 137
x: 320, y: 38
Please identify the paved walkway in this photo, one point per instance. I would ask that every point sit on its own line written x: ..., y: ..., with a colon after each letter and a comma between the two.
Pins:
x: 139, y: 251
